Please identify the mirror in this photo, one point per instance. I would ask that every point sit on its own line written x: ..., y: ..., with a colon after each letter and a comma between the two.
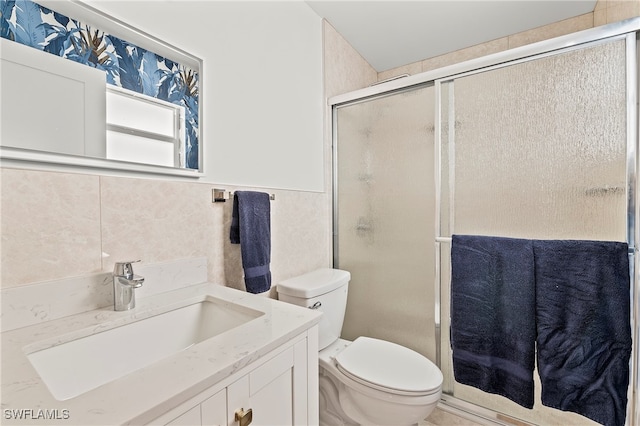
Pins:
x: 76, y: 91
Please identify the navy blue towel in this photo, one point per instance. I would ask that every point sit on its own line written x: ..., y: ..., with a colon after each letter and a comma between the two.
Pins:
x: 493, y: 315
x: 251, y: 228
x: 584, y: 331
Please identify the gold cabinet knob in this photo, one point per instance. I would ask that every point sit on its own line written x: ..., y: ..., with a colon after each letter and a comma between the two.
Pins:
x: 244, y: 418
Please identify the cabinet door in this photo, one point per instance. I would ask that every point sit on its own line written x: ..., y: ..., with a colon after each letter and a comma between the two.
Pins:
x: 268, y: 391
x: 214, y: 410
x: 281, y: 389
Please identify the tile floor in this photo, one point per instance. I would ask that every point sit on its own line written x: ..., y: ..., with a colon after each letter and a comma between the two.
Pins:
x: 442, y: 418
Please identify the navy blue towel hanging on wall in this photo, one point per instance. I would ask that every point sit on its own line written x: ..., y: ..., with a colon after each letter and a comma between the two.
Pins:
x: 251, y: 228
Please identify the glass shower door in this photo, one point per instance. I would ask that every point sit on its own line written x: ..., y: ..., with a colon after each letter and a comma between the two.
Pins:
x: 384, y: 221
x: 534, y: 150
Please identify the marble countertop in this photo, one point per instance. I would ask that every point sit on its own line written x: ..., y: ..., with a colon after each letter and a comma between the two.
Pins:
x: 150, y: 391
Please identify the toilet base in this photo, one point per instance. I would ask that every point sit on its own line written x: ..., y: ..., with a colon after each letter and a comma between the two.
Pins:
x: 331, y: 413
x: 339, y: 406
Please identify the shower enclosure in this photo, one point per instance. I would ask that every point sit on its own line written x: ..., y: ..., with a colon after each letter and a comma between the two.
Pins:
x: 386, y: 195
x: 537, y: 142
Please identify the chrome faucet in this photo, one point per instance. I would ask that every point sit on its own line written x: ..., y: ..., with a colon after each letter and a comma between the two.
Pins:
x: 124, y: 282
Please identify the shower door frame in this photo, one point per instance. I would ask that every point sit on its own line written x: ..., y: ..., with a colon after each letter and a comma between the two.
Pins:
x: 629, y: 30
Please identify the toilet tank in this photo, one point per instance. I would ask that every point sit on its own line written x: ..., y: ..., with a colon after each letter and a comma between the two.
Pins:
x: 324, y: 290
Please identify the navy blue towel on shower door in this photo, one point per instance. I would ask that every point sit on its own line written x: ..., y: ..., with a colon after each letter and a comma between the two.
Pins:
x: 493, y: 315
x: 584, y: 331
x: 251, y: 228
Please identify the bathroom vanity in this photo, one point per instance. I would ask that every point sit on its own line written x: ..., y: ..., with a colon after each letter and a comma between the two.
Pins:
x: 200, y: 355
x: 272, y: 390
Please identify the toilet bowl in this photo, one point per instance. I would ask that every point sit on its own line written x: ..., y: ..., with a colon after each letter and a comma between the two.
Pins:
x: 378, y: 382
x: 368, y: 381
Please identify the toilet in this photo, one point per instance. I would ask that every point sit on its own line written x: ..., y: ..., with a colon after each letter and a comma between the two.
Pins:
x: 368, y: 381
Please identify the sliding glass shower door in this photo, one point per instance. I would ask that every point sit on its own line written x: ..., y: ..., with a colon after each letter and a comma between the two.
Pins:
x: 538, y: 150
x: 385, y: 216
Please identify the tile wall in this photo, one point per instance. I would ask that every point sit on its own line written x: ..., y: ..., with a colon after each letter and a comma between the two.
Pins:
x: 56, y: 225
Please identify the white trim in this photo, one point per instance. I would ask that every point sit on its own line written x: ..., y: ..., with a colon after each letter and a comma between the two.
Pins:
x: 21, y: 157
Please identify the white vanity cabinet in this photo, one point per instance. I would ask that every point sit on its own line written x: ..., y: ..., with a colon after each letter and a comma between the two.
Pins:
x: 280, y: 388
x: 268, y: 363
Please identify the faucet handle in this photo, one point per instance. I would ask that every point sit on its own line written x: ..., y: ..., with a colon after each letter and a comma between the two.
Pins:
x: 124, y: 269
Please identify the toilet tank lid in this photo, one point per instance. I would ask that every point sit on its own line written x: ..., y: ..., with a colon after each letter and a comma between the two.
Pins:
x: 313, y: 284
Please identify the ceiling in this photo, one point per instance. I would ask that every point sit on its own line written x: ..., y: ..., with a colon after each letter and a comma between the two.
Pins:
x: 389, y: 33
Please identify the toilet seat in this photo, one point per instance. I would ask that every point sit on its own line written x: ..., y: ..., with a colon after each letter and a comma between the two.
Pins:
x: 389, y: 367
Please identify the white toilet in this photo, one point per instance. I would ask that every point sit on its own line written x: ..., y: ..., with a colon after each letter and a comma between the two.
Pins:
x: 367, y: 381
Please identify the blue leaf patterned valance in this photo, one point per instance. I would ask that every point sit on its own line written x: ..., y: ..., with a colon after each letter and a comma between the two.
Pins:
x: 125, y: 65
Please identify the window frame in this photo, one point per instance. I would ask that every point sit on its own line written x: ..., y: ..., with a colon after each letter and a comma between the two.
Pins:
x: 179, y: 137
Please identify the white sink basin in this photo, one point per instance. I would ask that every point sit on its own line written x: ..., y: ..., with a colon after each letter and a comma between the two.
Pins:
x: 77, y: 366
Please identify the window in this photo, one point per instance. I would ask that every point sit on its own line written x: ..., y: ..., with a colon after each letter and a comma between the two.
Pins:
x: 143, y: 129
